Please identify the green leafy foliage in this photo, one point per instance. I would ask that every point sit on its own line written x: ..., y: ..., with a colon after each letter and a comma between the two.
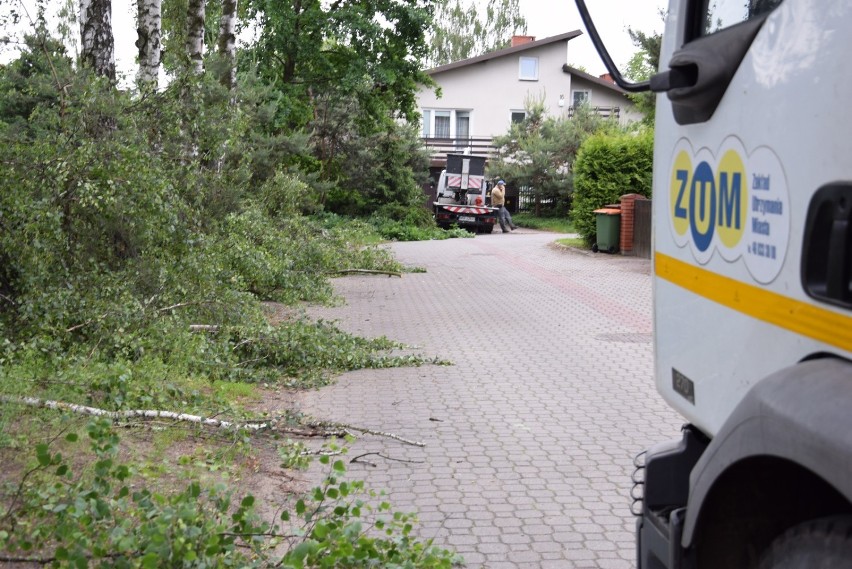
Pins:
x: 642, y: 66
x: 345, y: 525
x: 101, y: 517
x: 345, y: 73
x: 608, y: 167
x: 144, y: 238
x: 460, y: 30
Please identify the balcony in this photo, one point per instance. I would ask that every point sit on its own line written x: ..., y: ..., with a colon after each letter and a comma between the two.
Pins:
x: 605, y: 112
x: 439, y: 148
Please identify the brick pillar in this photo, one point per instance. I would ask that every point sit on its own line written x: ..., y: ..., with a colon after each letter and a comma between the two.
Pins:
x: 627, y: 210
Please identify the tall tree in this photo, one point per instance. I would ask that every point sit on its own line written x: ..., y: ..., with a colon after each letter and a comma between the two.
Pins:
x: 97, y: 45
x: 372, y: 48
x: 345, y: 72
x: 227, y: 43
x: 148, y: 30
x: 195, y: 17
x: 644, y: 63
x: 459, y: 31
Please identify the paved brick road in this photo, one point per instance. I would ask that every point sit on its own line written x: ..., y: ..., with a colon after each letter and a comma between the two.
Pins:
x: 531, y: 434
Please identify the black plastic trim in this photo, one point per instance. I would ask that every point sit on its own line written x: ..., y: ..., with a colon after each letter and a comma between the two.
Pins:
x: 666, y: 489
x: 701, y: 71
x: 827, y: 248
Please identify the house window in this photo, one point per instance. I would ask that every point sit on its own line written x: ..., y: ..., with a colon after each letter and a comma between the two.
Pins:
x: 518, y: 116
x: 442, y: 124
x: 528, y: 69
x: 427, y: 123
x: 462, y: 124
x: 581, y: 98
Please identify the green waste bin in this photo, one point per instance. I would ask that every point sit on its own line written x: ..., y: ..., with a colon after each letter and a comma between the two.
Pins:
x: 608, y: 226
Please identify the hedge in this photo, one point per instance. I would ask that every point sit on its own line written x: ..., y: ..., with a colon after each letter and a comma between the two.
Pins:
x: 607, y: 167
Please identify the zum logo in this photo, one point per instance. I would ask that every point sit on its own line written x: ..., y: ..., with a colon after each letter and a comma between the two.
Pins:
x: 736, y: 205
x: 710, y: 202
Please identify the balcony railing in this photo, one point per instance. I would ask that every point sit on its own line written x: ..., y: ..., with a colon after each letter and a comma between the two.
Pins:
x: 605, y: 112
x: 476, y: 145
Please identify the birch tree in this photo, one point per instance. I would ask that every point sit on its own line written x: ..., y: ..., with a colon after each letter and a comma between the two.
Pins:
x: 195, y: 15
x: 228, y: 42
x: 148, y: 32
x: 97, y: 45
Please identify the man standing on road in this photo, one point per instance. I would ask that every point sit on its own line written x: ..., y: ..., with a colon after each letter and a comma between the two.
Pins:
x: 498, y: 200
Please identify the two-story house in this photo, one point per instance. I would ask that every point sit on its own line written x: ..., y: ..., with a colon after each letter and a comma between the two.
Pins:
x: 481, y: 96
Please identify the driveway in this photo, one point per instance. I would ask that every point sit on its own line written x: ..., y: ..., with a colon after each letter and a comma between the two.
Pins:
x: 530, y: 435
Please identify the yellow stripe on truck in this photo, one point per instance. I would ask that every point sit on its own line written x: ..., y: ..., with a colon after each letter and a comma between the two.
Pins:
x: 793, y: 315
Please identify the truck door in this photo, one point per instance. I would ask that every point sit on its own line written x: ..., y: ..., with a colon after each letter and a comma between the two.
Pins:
x: 751, y: 135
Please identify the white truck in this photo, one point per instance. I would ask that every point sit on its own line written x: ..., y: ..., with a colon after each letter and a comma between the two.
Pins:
x: 462, y: 195
x: 752, y: 273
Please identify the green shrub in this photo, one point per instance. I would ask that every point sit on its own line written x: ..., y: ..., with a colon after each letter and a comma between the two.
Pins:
x: 609, y: 166
x: 106, y: 516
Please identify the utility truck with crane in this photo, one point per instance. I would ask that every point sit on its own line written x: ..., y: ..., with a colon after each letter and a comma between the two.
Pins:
x: 462, y: 194
x: 752, y: 285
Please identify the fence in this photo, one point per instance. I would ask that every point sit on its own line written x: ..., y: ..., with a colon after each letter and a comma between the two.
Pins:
x: 642, y: 228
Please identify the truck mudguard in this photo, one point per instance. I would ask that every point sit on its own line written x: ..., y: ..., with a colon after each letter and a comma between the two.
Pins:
x: 802, y: 414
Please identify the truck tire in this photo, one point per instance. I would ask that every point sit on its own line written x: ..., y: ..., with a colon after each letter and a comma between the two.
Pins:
x: 488, y: 229
x: 818, y: 544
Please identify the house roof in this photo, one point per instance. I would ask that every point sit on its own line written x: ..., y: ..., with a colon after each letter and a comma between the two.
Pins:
x: 597, y: 80
x: 505, y: 51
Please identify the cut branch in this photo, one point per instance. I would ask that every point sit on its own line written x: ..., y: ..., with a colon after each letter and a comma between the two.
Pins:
x: 367, y: 431
x: 314, y: 429
x: 365, y: 272
x: 360, y: 456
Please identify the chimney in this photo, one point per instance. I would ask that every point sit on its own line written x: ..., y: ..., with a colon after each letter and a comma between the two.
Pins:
x: 608, y: 78
x: 521, y: 40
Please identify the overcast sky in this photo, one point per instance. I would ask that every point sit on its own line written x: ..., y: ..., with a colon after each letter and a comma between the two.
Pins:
x: 547, y: 18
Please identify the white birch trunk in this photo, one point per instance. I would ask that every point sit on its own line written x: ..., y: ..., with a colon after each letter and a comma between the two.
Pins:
x: 97, y: 45
x: 195, y: 14
x: 198, y: 419
x: 148, y: 30
x: 228, y: 42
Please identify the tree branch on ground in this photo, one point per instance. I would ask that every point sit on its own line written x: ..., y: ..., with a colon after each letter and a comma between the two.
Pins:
x: 314, y: 429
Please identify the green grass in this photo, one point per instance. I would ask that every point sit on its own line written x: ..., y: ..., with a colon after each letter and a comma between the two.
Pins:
x: 576, y: 242
x: 555, y: 224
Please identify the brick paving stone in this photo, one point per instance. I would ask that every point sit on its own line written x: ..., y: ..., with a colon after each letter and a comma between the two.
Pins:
x: 530, y: 434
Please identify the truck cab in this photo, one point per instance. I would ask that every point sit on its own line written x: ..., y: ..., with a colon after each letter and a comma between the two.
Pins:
x: 752, y: 277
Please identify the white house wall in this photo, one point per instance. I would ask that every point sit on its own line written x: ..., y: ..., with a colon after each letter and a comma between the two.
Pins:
x: 490, y: 90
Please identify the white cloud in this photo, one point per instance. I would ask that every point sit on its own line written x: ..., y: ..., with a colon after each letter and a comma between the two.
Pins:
x: 547, y: 18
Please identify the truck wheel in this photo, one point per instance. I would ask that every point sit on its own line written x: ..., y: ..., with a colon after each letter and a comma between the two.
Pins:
x: 818, y: 544
x: 488, y: 229
x: 595, y: 248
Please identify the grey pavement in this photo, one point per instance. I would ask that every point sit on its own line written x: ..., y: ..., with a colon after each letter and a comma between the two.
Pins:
x: 530, y: 435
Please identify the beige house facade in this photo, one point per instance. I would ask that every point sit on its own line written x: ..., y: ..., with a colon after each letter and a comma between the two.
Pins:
x: 480, y: 97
